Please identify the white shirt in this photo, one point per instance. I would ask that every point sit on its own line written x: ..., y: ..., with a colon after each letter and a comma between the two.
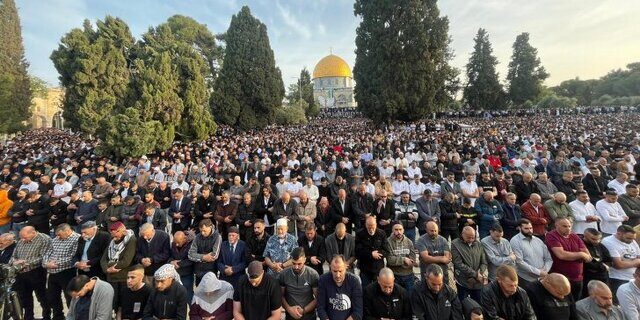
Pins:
x: 32, y: 187
x: 434, y: 187
x: 629, y: 298
x: 398, y: 187
x: 612, y: 216
x: 624, y: 251
x: 371, y: 189
x: 416, y: 190
x: 294, y: 188
x: 621, y: 188
x: 469, y: 187
x: 184, y: 186
x: 312, y: 192
x: 412, y: 172
x: 386, y: 172
x: 62, y: 189
x: 580, y: 213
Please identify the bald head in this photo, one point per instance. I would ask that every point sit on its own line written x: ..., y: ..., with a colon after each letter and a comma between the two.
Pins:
x: 468, y: 234
x: 557, y: 284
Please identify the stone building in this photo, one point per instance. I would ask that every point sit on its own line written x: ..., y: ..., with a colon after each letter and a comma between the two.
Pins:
x: 46, y: 109
x: 333, y: 83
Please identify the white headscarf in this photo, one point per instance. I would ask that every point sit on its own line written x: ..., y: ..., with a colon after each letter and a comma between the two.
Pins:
x: 167, y: 271
x: 222, y: 291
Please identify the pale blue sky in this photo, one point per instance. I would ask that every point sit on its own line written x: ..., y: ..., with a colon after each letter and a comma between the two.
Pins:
x: 584, y: 38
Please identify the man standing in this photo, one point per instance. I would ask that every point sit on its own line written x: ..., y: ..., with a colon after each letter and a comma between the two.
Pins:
x: 470, y: 264
x: 299, y: 284
x: 568, y: 253
x: 91, y: 247
x: 31, y: 277
x: 257, y: 241
x: 257, y: 296
x: 599, y: 304
x: 534, y: 211
x: 134, y: 296
x: 596, y: 269
x: 343, y: 243
x: 169, y: 299
x: 386, y: 300
x: 402, y: 258
x: 584, y: 213
x: 225, y: 214
x: 180, y: 211
x: 92, y: 299
x: 406, y: 213
x: 314, y: 248
x: 371, y: 248
x: 630, y: 203
x: 339, y: 293
x: 434, y: 299
x: 551, y: 297
x: 233, y: 257
x: 611, y: 213
x: 58, y: 261
x: 153, y: 250
x: 119, y: 256
x: 629, y: 296
x: 205, y: 249
x: 498, y: 250
x: 277, y: 253
x: 625, y: 255
x: 433, y: 248
x: 180, y: 260
x: 533, y: 259
x: 503, y: 299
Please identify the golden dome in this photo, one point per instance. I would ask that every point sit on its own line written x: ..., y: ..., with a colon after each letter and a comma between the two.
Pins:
x: 331, y: 66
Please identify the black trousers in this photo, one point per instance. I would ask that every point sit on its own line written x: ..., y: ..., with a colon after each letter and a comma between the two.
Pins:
x: 453, y: 233
x: 614, y: 284
x: 57, y: 284
x: 26, y: 284
x: 576, y: 290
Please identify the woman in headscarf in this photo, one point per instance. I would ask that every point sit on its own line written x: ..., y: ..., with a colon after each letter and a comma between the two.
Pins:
x: 213, y: 299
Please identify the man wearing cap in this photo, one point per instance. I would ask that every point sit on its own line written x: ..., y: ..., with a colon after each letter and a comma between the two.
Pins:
x: 233, y: 257
x: 277, y: 253
x: 257, y: 295
x: 169, y: 300
x: 119, y: 255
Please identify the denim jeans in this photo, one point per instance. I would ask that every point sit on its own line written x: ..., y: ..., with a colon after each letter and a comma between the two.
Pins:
x: 407, y: 282
x: 187, y: 282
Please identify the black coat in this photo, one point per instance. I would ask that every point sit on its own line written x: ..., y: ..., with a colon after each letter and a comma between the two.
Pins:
x: 94, y: 253
x: 338, y: 213
x: 428, y: 305
x: 317, y: 249
x: 40, y: 218
x: 365, y: 244
x: 595, y: 187
x: 159, y: 250
x: 546, y: 306
x: 496, y: 305
x: 379, y: 305
x: 168, y: 304
x: 182, y: 255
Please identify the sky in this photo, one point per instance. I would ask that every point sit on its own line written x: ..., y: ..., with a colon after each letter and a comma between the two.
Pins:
x: 574, y: 38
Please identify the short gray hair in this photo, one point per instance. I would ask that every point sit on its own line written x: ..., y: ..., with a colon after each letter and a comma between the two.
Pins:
x: 595, y: 285
x: 433, y: 270
x: 145, y: 227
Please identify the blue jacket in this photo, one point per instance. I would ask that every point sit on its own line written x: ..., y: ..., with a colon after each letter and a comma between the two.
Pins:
x: 237, y: 261
x: 489, y: 213
x: 338, y: 303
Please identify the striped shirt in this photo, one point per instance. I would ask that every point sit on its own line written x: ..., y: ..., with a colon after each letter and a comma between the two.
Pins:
x: 31, y: 252
x: 62, y: 252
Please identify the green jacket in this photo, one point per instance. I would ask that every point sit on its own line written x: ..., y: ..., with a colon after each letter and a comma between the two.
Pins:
x: 468, y: 262
x: 124, y: 262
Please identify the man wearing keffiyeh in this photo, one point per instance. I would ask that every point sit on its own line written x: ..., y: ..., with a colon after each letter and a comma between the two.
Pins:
x: 169, y: 300
x: 119, y: 255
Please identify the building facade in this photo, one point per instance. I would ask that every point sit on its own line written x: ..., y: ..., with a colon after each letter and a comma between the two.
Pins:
x: 333, y: 83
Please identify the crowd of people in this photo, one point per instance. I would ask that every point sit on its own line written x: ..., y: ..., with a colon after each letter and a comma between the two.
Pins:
x: 522, y: 216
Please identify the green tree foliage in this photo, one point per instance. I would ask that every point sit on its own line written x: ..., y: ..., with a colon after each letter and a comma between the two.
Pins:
x: 618, y: 87
x: 402, y: 54
x: 249, y: 87
x: 129, y: 135
x: 16, y: 90
x: 94, y: 69
x: 526, y: 73
x: 292, y: 114
x: 554, y: 101
x: 483, y: 90
x: 304, y: 83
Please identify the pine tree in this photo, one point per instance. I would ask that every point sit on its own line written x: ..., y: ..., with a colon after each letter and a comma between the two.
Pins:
x: 249, y: 87
x: 94, y: 69
x: 16, y: 107
x: 483, y: 90
x: 402, y: 53
x: 526, y: 73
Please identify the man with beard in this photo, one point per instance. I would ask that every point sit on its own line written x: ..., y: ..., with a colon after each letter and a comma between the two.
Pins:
x: 596, y: 269
x: 362, y: 204
x: 299, y: 285
x: 314, y: 248
x: 277, y: 253
x: 371, y: 248
x: 38, y: 212
x: 402, y: 258
x: 339, y: 293
x: 58, y: 261
x: 503, y: 299
x: 245, y: 216
x: 625, y: 255
x: 434, y: 299
x: 205, y: 249
x: 205, y: 205
x: 257, y: 242
x: 169, y: 299
x: 428, y: 209
x: 163, y: 195
x: 551, y: 298
x: 92, y: 299
x: 434, y: 248
x: 154, y: 251
x: 257, y: 295
x: 91, y: 247
x: 119, y: 256
x: 225, y: 213
x: 233, y: 257
x: 599, y: 304
x: 533, y: 259
x: 406, y: 213
x: 342, y: 243
x: 18, y: 211
x: 57, y: 212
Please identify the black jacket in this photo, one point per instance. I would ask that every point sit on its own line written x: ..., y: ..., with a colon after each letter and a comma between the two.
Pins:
x: 365, y: 244
x: 317, y: 249
x: 6, y: 254
x: 546, y: 306
x: 378, y: 305
x: 159, y: 250
x: 40, y: 218
x: 595, y: 187
x: 168, y: 304
x: 497, y: 306
x: 448, y: 217
x: 185, y: 266
x: 94, y: 253
x: 441, y: 306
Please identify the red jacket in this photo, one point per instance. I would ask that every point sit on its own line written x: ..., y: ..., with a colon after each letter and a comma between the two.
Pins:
x: 539, y: 219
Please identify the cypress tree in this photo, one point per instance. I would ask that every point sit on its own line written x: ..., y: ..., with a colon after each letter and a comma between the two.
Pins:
x: 483, y: 90
x: 15, y: 104
x: 526, y: 72
x: 249, y: 87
